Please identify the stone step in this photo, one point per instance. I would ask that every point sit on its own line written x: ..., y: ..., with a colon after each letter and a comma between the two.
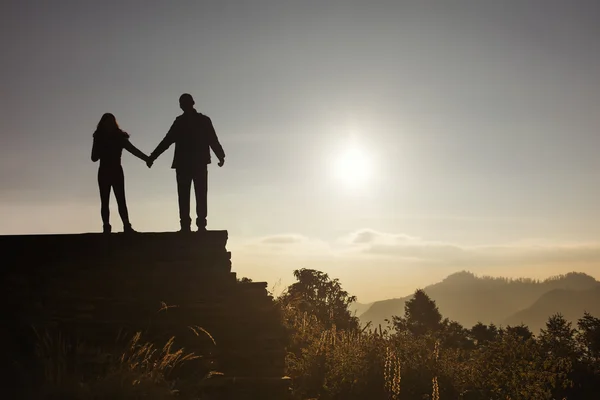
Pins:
x: 221, y: 387
x: 93, y: 286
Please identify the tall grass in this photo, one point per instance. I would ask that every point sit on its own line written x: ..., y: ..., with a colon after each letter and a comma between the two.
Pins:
x: 435, y: 395
x: 139, y: 369
x: 337, y: 364
x: 151, y: 363
x: 391, y: 374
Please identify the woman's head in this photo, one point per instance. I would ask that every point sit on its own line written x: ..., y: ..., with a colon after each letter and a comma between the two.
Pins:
x: 108, y: 123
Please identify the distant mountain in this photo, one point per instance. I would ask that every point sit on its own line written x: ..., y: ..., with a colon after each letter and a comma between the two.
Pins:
x: 358, y: 309
x: 468, y: 299
x: 570, y: 303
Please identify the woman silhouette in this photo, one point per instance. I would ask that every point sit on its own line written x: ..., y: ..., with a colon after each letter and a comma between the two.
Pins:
x: 109, y: 142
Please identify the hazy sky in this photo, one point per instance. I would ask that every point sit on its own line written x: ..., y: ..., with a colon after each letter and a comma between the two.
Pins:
x: 475, y: 126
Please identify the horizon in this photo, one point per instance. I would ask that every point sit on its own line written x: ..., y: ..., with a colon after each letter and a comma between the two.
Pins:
x: 388, y: 145
x: 536, y: 281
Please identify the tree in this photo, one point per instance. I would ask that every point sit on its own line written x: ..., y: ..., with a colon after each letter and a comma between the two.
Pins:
x: 589, y: 336
x: 558, y: 340
x: 516, y: 368
x: 482, y: 334
x: 421, y: 316
x: 455, y: 335
x: 559, y: 337
x: 318, y: 295
x: 520, y: 331
x: 587, y: 379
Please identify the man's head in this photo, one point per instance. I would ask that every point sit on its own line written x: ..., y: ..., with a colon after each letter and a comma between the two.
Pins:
x: 186, y: 102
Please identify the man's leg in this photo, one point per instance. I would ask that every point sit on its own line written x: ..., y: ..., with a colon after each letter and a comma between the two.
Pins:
x: 201, y: 191
x: 184, y: 184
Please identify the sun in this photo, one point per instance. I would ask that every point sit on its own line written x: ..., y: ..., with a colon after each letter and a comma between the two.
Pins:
x: 352, y: 166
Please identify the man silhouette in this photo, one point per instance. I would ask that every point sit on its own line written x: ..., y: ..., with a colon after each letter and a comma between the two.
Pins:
x: 194, y: 136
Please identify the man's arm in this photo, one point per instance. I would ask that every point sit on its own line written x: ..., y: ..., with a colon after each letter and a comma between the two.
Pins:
x: 165, y: 143
x: 213, y: 141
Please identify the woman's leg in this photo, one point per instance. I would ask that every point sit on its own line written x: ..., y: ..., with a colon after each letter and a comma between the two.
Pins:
x: 119, y: 189
x: 104, y: 184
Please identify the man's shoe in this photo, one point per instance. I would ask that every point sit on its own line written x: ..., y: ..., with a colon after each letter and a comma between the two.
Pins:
x: 185, y: 229
x: 106, y: 228
x: 201, y: 223
x: 128, y: 229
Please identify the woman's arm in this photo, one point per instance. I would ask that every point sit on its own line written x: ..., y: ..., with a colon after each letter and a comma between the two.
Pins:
x: 95, y: 151
x: 134, y: 150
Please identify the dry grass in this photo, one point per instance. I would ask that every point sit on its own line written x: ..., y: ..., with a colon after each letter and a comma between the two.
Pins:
x: 71, y: 369
x: 391, y: 373
x: 435, y: 395
x: 357, y: 357
x: 198, y: 330
x: 150, y: 362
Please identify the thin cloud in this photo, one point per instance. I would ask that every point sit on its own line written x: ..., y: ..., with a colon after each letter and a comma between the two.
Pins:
x: 283, y: 239
x: 286, y: 244
x: 376, y: 265
x: 372, y: 245
x: 370, y: 236
x: 404, y: 247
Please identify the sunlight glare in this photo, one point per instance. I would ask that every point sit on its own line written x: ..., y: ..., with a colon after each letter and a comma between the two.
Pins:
x: 352, y: 166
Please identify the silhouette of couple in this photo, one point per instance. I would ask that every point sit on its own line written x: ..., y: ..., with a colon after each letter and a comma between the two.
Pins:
x: 193, y: 135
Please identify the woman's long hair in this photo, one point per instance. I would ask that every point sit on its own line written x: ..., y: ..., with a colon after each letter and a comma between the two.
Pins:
x: 108, y: 123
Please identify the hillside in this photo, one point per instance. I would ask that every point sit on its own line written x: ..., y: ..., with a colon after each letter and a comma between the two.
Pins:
x: 570, y: 303
x: 358, y: 309
x: 466, y: 298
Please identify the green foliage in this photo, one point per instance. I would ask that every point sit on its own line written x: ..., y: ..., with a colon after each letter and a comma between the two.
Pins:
x: 328, y: 356
x: 558, y: 338
x: 521, y: 332
x: 517, y: 368
x: 454, y: 335
x: 482, y: 334
x: 427, y: 356
x: 589, y: 336
x: 318, y: 295
x: 421, y: 316
x: 586, y: 378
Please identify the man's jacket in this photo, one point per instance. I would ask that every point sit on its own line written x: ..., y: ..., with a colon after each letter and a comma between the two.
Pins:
x: 194, y: 136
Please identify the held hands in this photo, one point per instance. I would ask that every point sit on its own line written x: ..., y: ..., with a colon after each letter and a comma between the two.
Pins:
x: 150, y: 162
